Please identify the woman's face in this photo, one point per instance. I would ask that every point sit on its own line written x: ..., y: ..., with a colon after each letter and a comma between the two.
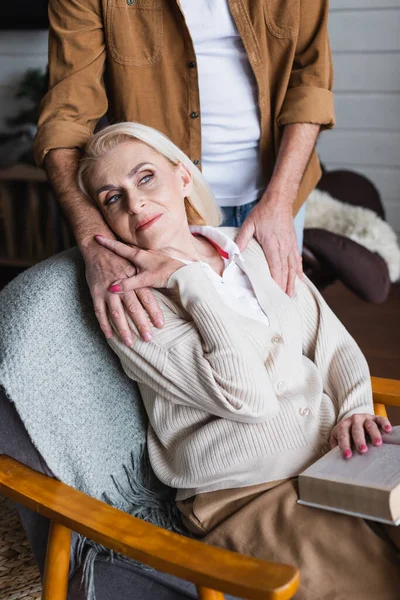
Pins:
x: 141, y: 194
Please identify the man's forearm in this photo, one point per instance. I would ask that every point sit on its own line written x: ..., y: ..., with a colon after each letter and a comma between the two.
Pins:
x: 298, y: 142
x: 85, y: 219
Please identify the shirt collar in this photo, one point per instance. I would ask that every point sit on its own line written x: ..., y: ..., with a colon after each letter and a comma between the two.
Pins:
x: 225, y: 246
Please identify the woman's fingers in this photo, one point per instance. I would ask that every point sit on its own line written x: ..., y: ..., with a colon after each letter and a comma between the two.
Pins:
x: 122, y: 286
x: 105, y: 266
x: 118, y: 247
x: 384, y: 423
x: 358, y: 433
x: 359, y: 429
x: 371, y: 427
x: 343, y: 438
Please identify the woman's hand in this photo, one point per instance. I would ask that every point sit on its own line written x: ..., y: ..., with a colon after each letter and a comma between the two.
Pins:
x: 355, y: 429
x: 104, y: 266
x: 153, y: 267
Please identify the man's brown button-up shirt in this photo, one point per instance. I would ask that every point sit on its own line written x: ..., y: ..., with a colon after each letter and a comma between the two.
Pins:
x: 136, y: 62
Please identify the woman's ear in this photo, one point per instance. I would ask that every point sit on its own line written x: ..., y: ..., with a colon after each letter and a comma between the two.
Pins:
x: 186, y: 178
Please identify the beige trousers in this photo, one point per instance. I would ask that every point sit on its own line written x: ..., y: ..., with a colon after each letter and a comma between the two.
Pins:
x: 339, y: 557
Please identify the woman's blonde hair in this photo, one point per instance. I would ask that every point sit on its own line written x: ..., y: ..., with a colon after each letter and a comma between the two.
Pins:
x: 201, y: 207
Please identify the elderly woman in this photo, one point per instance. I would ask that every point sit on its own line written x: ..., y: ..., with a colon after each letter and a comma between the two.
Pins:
x: 244, y: 386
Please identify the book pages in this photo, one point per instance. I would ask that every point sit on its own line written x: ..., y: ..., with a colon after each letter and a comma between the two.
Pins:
x: 378, y: 468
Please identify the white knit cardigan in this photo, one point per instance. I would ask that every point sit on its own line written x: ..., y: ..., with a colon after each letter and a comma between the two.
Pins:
x: 233, y: 402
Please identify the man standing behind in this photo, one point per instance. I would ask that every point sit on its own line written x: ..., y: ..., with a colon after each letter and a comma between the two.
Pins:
x: 243, y: 87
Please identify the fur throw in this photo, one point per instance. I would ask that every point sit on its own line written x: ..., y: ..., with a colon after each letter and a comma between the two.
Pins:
x: 359, y: 224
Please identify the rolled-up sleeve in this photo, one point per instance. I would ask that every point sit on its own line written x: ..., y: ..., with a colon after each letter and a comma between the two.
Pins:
x: 309, y: 97
x: 76, y: 98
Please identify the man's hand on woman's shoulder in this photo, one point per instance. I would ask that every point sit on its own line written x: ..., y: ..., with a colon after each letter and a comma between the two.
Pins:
x: 143, y: 269
x: 104, y: 265
x: 272, y: 226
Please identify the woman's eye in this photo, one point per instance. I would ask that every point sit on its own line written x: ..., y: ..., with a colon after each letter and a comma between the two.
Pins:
x: 145, y: 179
x: 113, y: 199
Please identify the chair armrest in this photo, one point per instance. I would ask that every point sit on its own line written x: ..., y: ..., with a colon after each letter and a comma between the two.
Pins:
x: 386, y: 391
x: 183, y: 557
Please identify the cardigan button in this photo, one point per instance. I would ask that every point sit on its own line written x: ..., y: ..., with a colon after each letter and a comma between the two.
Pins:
x: 276, y: 339
x: 280, y: 386
x: 304, y: 411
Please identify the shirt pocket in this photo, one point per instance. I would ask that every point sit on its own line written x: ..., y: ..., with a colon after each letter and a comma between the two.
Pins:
x: 282, y: 17
x: 135, y: 31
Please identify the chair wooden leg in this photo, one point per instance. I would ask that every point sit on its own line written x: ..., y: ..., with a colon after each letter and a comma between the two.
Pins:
x: 207, y: 594
x: 55, y: 582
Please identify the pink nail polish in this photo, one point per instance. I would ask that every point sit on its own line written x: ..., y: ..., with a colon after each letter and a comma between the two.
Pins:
x: 388, y: 427
x: 377, y: 442
x: 115, y: 288
x: 363, y: 448
x: 347, y: 453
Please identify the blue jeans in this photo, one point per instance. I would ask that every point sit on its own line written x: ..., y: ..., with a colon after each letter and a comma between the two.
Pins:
x: 235, y: 215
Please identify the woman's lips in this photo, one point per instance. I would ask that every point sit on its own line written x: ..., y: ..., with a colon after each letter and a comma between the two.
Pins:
x: 148, y: 223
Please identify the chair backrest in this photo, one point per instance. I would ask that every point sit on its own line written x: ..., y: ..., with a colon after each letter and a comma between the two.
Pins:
x: 84, y: 415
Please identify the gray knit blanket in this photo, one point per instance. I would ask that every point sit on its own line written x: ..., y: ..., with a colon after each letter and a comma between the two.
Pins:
x: 83, y: 414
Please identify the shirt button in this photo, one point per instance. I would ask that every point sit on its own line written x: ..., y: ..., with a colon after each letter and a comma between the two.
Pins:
x: 280, y: 386
x: 304, y: 411
x: 276, y: 339
x: 241, y: 298
x: 194, y: 115
x: 191, y: 64
x: 196, y: 162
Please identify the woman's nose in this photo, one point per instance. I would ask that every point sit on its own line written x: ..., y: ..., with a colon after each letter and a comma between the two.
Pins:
x: 135, y: 203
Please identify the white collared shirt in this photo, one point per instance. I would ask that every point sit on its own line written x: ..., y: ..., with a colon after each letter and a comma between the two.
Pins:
x: 233, y: 286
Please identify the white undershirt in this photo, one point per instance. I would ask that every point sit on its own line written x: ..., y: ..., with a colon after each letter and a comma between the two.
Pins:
x: 233, y: 286
x: 230, y: 120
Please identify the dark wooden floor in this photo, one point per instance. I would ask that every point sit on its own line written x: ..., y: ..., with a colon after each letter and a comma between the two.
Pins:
x: 376, y: 328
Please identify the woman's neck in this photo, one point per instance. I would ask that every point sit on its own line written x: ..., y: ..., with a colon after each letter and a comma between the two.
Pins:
x: 198, y: 248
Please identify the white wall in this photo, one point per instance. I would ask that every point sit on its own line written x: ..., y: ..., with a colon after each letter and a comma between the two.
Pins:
x: 19, y: 51
x: 365, y: 39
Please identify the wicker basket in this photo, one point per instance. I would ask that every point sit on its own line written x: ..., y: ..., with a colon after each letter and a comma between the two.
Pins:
x: 19, y: 575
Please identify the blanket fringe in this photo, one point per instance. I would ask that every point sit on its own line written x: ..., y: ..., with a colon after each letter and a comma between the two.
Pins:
x: 141, y: 495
